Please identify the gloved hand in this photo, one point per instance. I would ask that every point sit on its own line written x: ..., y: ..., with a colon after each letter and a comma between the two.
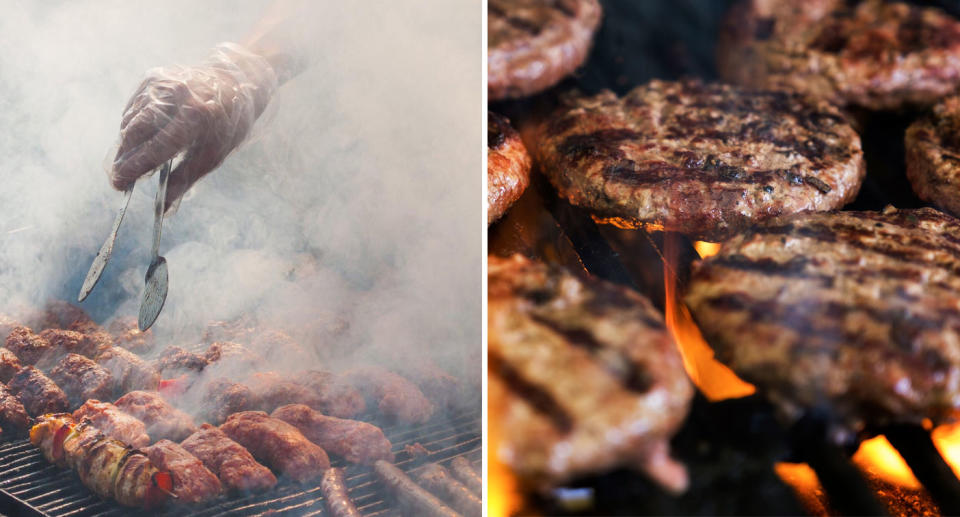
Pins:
x: 205, y: 110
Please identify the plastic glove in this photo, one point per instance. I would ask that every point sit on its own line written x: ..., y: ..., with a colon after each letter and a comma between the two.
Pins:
x: 205, y: 111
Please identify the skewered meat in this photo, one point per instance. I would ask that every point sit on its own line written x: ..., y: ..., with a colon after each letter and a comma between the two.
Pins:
x: 174, y: 361
x: 409, y: 495
x: 335, y: 496
x: 357, y: 442
x: 129, y: 371
x: 876, y: 54
x: 394, y: 396
x: 161, y: 419
x: 705, y: 160
x: 461, y: 469
x: 508, y: 166
x: 337, y: 397
x: 13, y: 416
x: 127, y: 334
x: 231, y: 462
x: 858, y: 312
x: 37, y: 392
x: 81, y: 379
x: 933, y: 155
x: 73, y: 342
x: 27, y: 346
x: 438, y: 480
x: 532, y: 45
x: 272, y: 391
x: 113, y: 422
x: 224, y: 398
x: 584, y: 376
x: 278, y: 444
x: 192, y: 482
x: 9, y: 365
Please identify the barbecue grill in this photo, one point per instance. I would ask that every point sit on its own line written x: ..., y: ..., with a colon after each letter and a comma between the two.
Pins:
x: 741, y: 461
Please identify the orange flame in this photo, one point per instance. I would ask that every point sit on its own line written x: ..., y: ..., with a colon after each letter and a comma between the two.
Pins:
x: 503, y: 496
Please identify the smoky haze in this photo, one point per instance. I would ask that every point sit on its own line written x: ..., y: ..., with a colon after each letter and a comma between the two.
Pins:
x: 351, y: 219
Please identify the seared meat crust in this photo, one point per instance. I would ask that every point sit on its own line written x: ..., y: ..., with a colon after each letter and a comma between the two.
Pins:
x: 161, y: 419
x: 224, y: 398
x: 396, y: 397
x: 933, y: 155
x: 230, y: 461
x: 875, y: 54
x: 127, y: 334
x: 192, y: 482
x: 114, y: 422
x: 37, y: 392
x: 355, y: 441
x: 533, y: 44
x: 858, y: 312
x: 82, y: 379
x: 13, y: 416
x: 508, y: 166
x: 9, y: 365
x: 278, y: 444
x: 129, y: 371
x: 702, y: 159
x: 337, y: 397
x: 73, y: 342
x: 27, y: 346
x: 574, y: 363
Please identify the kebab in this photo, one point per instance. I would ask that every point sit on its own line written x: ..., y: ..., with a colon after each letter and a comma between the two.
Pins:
x: 162, y: 419
x: 114, y: 422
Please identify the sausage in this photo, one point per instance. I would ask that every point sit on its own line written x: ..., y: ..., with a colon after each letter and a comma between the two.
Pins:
x: 461, y: 469
x: 278, y: 444
x: 409, y: 495
x: 37, y: 392
x: 438, y: 480
x: 335, y: 495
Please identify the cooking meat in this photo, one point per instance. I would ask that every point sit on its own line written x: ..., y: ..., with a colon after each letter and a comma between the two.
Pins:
x: 337, y: 397
x: 702, y: 159
x: 442, y: 484
x: 129, y: 371
x: 933, y: 155
x: 461, y: 469
x: 232, y: 359
x: 508, y: 166
x: 584, y: 376
x: 9, y: 365
x: 73, y: 342
x: 411, y: 498
x: 273, y: 390
x: 230, y: 461
x: 876, y: 54
x: 7, y: 323
x: 174, y: 361
x: 355, y: 441
x: 192, y: 482
x: 395, y: 397
x: 335, y: 496
x: 224, y: 398
x: 853, y: 311
x: 443, y: 389
x: 114, y: 422
x: 58, y: 314
x: 127, y: 334
x: 37, y: 392
x: 27, y: 346
x: 160, y: 418
x: 415, y: 450
x: 13, y: 416
x: 533, y: 44
x: 136, y: 482
x: 81, y: 379
x: 278, y: 444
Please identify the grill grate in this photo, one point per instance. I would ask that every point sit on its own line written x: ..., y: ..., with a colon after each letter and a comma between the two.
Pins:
x: 31, y: 486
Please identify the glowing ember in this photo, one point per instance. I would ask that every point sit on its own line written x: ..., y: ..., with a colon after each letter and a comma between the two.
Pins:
x: 947, y: 440
x: 706, y: 249
x: 800, y: 477
x: 880, y: 459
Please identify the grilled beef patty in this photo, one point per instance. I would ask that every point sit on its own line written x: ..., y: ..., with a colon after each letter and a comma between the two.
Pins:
x: 875, y: 54
x: 933, y: 155
x: 508, y: 166
x: 702, y: 159
x: 855, y: 312
x: 533, y: 44
x: 584, y: 376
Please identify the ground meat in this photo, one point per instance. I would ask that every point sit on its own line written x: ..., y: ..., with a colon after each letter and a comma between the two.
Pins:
x: 508, y: 166
x: 224, y: 398
x: 175, y: 361
x: 278, y: 444
x: 395, y: 397
x: 162, y: 419
x: 73, y: 342
x: 114, y: 422
x: 231, y: 462
x: 37, y: 392
x: 933, y: 155
x: 13, y: 416
x: 81, y: 379
x: 337, y: 397
x: 272, y: 390
x: 129, y: 371
x: 9, y: 365
x: 192, y: 482
x: 127, y: 334
x: 355, y: 441
x: 27, y: 346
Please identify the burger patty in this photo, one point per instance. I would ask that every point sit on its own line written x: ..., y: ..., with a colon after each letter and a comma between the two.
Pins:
x: 875, y: 54
x: 533, y: 44
x: 703, y: 159
x: 933, y: 155
x: 584, y: 376
x: 854, y: 312
x: 508, y: 166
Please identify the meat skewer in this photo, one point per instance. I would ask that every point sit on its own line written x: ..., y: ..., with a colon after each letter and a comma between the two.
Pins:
x: 37, y: 392
x: 162, y: 419
x: 113, y: 422
x: 355, y: 441
x: 461, y: 469
x: 410, y: 496
x: 192, y: 482
x: 335, y: 496
x: 82, y: 379
x: 278, y: 444
x: 231, y: 462
x: 395, y: 397
x: 442, y: 484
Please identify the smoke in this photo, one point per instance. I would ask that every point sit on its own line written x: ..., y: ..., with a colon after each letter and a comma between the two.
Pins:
x: 355, y: 206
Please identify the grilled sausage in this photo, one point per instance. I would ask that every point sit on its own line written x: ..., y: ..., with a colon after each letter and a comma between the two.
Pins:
x: 442, y: 484
x: 13, y: 416
x: 37, y: 392
x: 233, y: 464
x: 461, y: 469
x: 409, y: 495
x: 335, y: 495
x: 9, y: 365
x: 355, y: 441
x: 82, y: 379
x: 278, y: 444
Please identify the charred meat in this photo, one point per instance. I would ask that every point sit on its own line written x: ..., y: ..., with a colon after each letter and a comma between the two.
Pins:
x: 114, y: 422
x: 192, y: 482
x: 278, y: 444
x: 411, y: 497
x: 933, y: 155
x: 27, y: 346
x: 395, y: 397
x: 508, y: 166
x: 13, y: 416
x: 9, y: 365
x: 231, y: 462
x: 82, y: 379
x: 37, y: 392
x: 355, y: 441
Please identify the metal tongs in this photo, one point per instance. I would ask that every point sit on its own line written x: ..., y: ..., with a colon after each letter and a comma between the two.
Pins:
x: 157, y: 278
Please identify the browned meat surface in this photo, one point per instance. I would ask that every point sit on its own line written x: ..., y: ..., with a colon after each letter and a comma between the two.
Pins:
x: 858, y: 312
x: 395, y: 397
x: 127, y: 334
x: 73, y: 342
x: 416, y: 450
x: 533, y: 44
x: 230, y: 461
x: 411, y: 497
x: 442, y: 484
x: 461, y: 469
x: 335, y: 496
x: 508, y: 166
x: 161, y: 419
x: 278, y: 444
x: 192, y: 482
x: 357, y: 442
x: 129, y: 371
x: 37, y: 392
x: 7, y: 323
x: 441, y: 388
x: 224, y: 398
x: 933, y: 155
x: 175, y: 361
x: 584, y: 376
x: 705, y: 160
x: 13, y: 416
x: 273, y: 390
x: 81, y: 379
x: 59, y: 314
x: 337, y: 397
x: 27, y: 346
x: 876, y: 54
x: 9, y: 365
x: 232, y: 359
x: 135, y: 477
x: 114, y: 422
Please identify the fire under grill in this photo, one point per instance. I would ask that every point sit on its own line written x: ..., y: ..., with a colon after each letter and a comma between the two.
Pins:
x: 29, y: 485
